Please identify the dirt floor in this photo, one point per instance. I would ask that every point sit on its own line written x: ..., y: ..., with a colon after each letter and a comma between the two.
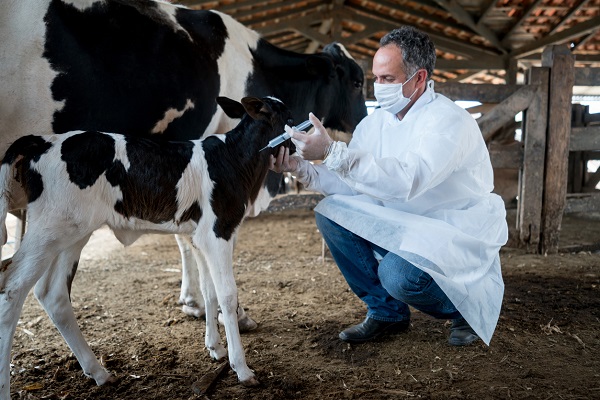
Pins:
x: 546, y: 346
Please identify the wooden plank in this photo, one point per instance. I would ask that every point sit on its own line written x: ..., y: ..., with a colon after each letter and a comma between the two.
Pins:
x: 587, y: 138
x: 587, y: 77
x: 577, y: 171
x: 529, y: 207
x: 505, y: 112
x: 561, y: 61
x: 582, y: 202
x: 507, y: 157
x: 484, y: 93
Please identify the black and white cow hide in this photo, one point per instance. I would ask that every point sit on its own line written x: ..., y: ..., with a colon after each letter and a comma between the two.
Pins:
x: 152, y: 69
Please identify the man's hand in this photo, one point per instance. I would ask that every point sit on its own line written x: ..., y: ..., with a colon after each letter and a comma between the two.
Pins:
x: 311, y: 147
x: 284, y: 162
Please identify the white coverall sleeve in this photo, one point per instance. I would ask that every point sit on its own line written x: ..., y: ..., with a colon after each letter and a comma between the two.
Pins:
x: 320, y: 179
x: 433, y: 157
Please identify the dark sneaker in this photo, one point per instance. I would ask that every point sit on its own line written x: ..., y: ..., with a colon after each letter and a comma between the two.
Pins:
x: 461, y: 333
x: 371, y: 329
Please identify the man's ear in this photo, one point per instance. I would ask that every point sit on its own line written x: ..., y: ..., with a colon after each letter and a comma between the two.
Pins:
x: 255, y: 107
x: 232, y: 108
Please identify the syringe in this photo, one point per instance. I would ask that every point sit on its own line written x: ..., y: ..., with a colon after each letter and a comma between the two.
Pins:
x: 285, y: 136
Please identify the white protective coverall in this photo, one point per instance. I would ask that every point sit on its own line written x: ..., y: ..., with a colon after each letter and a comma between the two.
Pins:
x: 421, y: 188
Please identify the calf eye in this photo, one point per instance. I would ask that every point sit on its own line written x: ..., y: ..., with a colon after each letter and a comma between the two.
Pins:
x: 358, y: 84
x: 290, y: 122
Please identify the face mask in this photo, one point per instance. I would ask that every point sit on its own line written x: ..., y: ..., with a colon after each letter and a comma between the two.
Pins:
x: 390, y: 96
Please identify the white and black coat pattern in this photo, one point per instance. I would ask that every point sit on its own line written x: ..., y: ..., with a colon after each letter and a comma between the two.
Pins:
x: 76, y: 182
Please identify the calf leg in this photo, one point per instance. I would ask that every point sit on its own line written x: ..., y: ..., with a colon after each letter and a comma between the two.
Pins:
x: 190, y: 297
x: 219, y: 259
x: 53, y: 292
x: 28, y: 264
x: 212, y: 339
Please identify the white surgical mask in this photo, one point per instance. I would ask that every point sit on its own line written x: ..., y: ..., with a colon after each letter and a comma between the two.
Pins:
x: 390, y: 96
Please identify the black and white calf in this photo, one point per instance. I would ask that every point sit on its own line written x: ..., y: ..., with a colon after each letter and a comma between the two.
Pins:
x: 76, y: 182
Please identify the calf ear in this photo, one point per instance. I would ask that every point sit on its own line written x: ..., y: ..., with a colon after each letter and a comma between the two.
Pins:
x: 232, y: 108
x: 255, y: 107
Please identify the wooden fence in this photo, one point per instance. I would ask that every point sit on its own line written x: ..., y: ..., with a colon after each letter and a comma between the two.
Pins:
x: 547, y: 140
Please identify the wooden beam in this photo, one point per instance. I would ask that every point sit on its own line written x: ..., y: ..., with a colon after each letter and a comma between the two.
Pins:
x: 582, y: 202
x: 323, y: 29
x: 583, y: 28
x: 561, y: 63
x: 574, y: 9
x: 300, y: 25
x: 531, y: 185
x: 523, y: 17
x: 505, y: 112
x: 458, y: 47
x: 477, y: 64
x: 484, y: 93
x: 486, y: 7
x: 587, y: 76
x: 585, y: 138
x: 465, y: 18
x: 506, y: 156
x: 411, y: 12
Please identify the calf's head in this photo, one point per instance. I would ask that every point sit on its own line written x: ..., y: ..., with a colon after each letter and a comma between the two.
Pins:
x: 267, y: 109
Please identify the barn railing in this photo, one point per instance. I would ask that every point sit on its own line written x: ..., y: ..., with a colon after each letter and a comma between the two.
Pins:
x: 558, y: 140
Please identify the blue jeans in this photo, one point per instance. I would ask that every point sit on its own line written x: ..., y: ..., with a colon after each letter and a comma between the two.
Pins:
x: 387, y: 287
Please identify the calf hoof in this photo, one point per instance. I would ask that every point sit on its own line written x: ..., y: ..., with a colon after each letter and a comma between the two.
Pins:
x: 217, y: 353
x: 192, y: 311
x: 112, y: 380
x: 106, y: 380
x: 246, y: 324
x: 251, y: 382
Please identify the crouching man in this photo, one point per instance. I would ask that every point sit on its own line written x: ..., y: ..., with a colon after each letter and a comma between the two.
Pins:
x: 409, y: 215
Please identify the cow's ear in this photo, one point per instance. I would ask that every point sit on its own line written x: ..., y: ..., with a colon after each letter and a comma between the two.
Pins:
x: 319, y: 65
x: 255, y: 107
x: 232, y: 108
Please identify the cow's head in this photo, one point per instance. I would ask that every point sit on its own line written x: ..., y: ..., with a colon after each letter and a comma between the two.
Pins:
x: 340, y: 98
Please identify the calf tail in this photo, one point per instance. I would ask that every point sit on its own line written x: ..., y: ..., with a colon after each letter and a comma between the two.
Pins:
x: 5, y: 177
x: 18, y: 156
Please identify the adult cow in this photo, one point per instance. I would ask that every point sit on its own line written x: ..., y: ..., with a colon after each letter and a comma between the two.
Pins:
x: 150, y: 68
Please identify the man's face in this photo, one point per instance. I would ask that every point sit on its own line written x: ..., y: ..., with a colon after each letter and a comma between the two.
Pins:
x: 388, y: 65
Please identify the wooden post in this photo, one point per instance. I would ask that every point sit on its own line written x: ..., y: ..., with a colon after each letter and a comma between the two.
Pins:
x: 577, y: 167
x: 562, y: 66
x: 531, y: 185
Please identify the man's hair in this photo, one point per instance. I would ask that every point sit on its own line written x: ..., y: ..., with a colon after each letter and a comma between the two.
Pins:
x: 418, y: 50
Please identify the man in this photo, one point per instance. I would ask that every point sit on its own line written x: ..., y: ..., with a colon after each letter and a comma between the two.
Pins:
x: 409, y: 215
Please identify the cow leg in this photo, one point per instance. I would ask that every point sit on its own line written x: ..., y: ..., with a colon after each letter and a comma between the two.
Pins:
x: 219, y: 259
x: 16, y: 280
x: 190, y: 298
x: 53, y: 292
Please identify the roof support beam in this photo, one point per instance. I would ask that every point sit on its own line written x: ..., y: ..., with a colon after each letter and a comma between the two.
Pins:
x: 465, y: 18
x: 573, y: 11
x: 525, y: 15
x: 581, y: 29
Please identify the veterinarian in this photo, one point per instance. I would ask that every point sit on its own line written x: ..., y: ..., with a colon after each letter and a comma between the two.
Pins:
x: 409, y: 215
